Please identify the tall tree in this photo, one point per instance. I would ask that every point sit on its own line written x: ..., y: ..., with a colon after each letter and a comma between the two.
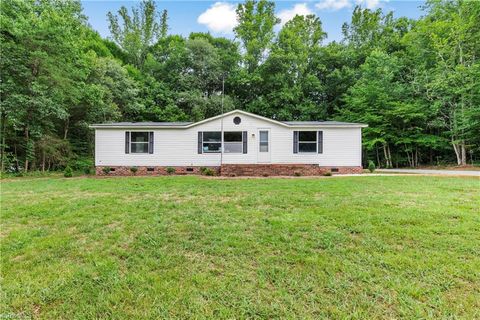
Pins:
x: 41, y: 75
x: 138, y: 31
x: 290, y: 74
x: 381, y: 100
x: 450, y: 38
x: 256, y: 20
x: 164, y: 24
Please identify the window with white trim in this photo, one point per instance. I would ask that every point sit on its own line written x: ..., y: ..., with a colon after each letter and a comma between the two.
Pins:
x: 139, y: 142
x: 307, y: 141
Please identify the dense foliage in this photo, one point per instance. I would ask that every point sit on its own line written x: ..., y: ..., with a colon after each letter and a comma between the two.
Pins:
x: 416, y: 83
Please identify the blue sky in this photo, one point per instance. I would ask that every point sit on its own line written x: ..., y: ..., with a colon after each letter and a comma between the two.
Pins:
x: 218, y: 16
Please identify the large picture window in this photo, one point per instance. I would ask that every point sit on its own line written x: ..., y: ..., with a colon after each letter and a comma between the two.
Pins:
x: 139, y: 142
x: 233, y: 142
x: 307, y: 141
x: 212, y: 142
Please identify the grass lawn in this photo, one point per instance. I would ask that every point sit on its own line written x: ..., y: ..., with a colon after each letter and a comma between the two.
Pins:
x: 191, y: 247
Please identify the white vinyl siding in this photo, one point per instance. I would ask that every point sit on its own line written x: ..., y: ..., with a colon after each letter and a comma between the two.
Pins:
x: 179, y: 147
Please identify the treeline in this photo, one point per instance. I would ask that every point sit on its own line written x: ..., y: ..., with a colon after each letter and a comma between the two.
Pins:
x: 415, y: 82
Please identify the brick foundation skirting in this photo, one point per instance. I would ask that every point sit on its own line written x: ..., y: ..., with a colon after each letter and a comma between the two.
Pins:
x: 284, y: 170
x: 149, y: 171
x: 232, y: 170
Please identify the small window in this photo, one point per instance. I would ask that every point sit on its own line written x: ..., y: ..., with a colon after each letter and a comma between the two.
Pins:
x: 112, y: 169
x: 237, y: 120
x: 139, y: 142
x: 263, y: 141
x: 334, y: 169
x: 189, y: 169
x: 212, y: 141
x: 233, y: 142
x: 150, y: 169
x: 307, y: 141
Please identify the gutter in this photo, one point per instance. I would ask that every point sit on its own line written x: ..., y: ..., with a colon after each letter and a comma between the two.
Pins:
x: 93, y: 126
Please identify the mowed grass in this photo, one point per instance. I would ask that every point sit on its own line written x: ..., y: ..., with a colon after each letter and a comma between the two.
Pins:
x: 192, y: 247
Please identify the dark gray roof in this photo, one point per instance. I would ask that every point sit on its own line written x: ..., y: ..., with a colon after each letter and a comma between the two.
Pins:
x: 181, y: 125
x: 318, y: 123
x: 143, y: 124
x: 184, y: 124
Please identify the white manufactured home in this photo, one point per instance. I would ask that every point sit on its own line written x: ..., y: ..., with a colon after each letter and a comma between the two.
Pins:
x: 234, y: 143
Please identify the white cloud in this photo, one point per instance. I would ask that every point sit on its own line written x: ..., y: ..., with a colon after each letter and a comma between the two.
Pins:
x: 370, y: 4
x: 333, y: 4
x: 220, y: 17
x: 300, y: 9
x: 341, y: 4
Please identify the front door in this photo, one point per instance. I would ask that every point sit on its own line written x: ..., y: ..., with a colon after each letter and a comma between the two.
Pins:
x: 264, y: 146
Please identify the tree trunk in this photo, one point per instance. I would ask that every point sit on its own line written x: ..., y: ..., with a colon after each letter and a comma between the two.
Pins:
x: 388, y: 156
x: 462, y: 147
x: 43, y: 160
x: 457, y: 153
x: 416, y: 156
x: 26, y: 148
x: 460, y: 153
x: 16, y: 156
x: 463, y: 153
x: 390, y: 164
x: 378, y: 156
x: 2, y: 157
x: 65, y: 132
x: 408, y: 157
x: 385, y: 155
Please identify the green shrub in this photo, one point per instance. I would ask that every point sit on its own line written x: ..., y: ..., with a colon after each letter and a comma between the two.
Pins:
x: 106, y: 170
x: 208, y: 172
x: 82, y: 164
x: 170, y: 170
x: 87, y: 170
x: 371, y: 166
x: 327, y: 174
x: 68, y: 172
x: 134, y: 169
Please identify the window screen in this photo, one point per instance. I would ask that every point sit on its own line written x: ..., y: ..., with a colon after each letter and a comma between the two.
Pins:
x: 263, y: 141
x: 307, y: 141
x: 139, y: 142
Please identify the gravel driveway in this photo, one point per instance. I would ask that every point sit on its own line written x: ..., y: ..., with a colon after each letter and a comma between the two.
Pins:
x: 435, y: 172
